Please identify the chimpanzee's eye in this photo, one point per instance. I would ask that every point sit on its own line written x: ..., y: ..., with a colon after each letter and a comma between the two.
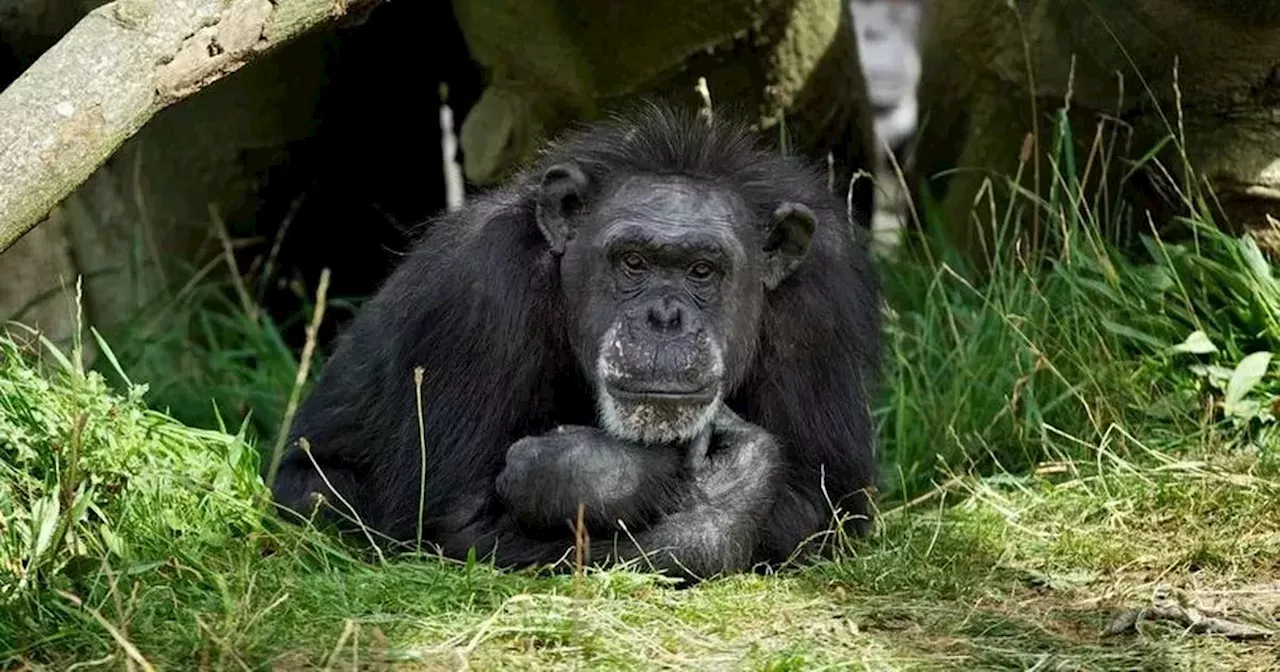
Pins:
x: 701, y: 271
x: 633, y: 262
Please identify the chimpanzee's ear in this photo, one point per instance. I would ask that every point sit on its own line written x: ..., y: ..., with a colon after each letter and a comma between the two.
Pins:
x: 560, y: 197
x: 789, y: 238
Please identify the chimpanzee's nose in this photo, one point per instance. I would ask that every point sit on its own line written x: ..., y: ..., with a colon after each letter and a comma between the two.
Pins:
x: 666, y: 315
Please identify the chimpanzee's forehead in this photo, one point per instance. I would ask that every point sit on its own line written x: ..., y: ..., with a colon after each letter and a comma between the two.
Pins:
x: 672, y: 201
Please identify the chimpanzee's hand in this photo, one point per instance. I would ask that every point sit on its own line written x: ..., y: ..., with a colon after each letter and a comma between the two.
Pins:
x: 547, y: 476
x: 734, y: 457
x: 717, y: 524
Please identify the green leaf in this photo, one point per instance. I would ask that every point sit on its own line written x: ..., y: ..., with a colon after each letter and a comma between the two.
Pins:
x: 1197, y: 343
x: 113, y: 541
x: 1246, y: 409
x: 1156, y: 278
x: 1131, y: 333
x: 1248, y: 374
x: 110, y: 355
x: 45, y: 515
x: 1215, y: 375
x: 1254, y: 257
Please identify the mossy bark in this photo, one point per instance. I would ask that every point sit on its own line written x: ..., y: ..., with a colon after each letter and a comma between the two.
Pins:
x: 995, y: 71
x: 768, y: 61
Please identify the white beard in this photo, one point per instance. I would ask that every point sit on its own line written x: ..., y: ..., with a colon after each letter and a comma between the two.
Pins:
x: 653, y: 423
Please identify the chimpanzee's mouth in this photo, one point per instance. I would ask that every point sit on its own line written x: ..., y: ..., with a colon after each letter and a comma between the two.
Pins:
x: 675, y: 393
x: 657, y: 413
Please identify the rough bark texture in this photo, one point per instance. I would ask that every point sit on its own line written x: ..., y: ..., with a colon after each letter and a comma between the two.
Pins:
x: 552, y: 63
x: 39, y: 277
x: 977, y: 99
x: 29, y: 27
x: 119, y: 66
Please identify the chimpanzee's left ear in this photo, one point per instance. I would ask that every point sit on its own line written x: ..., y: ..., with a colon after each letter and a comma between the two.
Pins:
x: 561, y: 195
x: 789, y: 238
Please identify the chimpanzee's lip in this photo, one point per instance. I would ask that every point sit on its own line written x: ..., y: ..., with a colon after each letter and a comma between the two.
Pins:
x: 668, y: 392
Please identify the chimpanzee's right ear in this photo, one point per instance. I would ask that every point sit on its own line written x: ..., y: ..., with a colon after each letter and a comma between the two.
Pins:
x: 560, y: 197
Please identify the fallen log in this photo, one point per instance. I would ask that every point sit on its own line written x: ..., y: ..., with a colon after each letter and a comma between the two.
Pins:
x: 119, y: 66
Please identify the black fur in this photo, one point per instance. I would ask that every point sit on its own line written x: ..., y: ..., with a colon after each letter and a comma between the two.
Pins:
x: 479, y: 306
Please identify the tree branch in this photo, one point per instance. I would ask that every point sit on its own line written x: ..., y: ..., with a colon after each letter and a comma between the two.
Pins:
x: 119, y: 66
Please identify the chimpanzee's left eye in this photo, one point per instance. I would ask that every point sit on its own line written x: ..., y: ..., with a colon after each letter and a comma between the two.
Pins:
x: 701, y: 271
x: 633, y: 262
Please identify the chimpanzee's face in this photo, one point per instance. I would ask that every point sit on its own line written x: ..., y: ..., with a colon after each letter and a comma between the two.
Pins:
x: 665, y: 277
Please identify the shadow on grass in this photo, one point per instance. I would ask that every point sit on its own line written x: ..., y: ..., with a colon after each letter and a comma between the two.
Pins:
x: 941, y: 590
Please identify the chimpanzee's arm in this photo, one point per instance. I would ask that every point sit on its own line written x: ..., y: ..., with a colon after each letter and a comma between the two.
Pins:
x: 546, y: 477
x: 685, y: 512
x: 828, y: 441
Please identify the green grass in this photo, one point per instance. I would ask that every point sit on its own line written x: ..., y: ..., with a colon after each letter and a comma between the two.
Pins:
x: 987, y: 378
x: 206, y: 361
x: 158, y: 546
x: 1070, y: 489
x: 1058, y: 440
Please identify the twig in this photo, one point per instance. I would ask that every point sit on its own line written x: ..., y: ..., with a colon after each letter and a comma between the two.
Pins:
x: 225, y: 648
x: 580, y: 544
x: 72, y: 470
x: 1165, y: 607
x: 347, y: 630
x: 1035, y: 115
x: 144, y: 219
x: 636, y: 542
x: 229, y: 255
x: 300, y: 378
x: 422, y: 448
x: 129, y: 649
x: 268, y: 269
x: 453, y: 191
x: 305, y: 446
x: 704, y: 93
x: 113, y: 585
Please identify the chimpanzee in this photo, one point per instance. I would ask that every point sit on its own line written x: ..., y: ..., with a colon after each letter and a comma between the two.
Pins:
x: 661, y: 320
